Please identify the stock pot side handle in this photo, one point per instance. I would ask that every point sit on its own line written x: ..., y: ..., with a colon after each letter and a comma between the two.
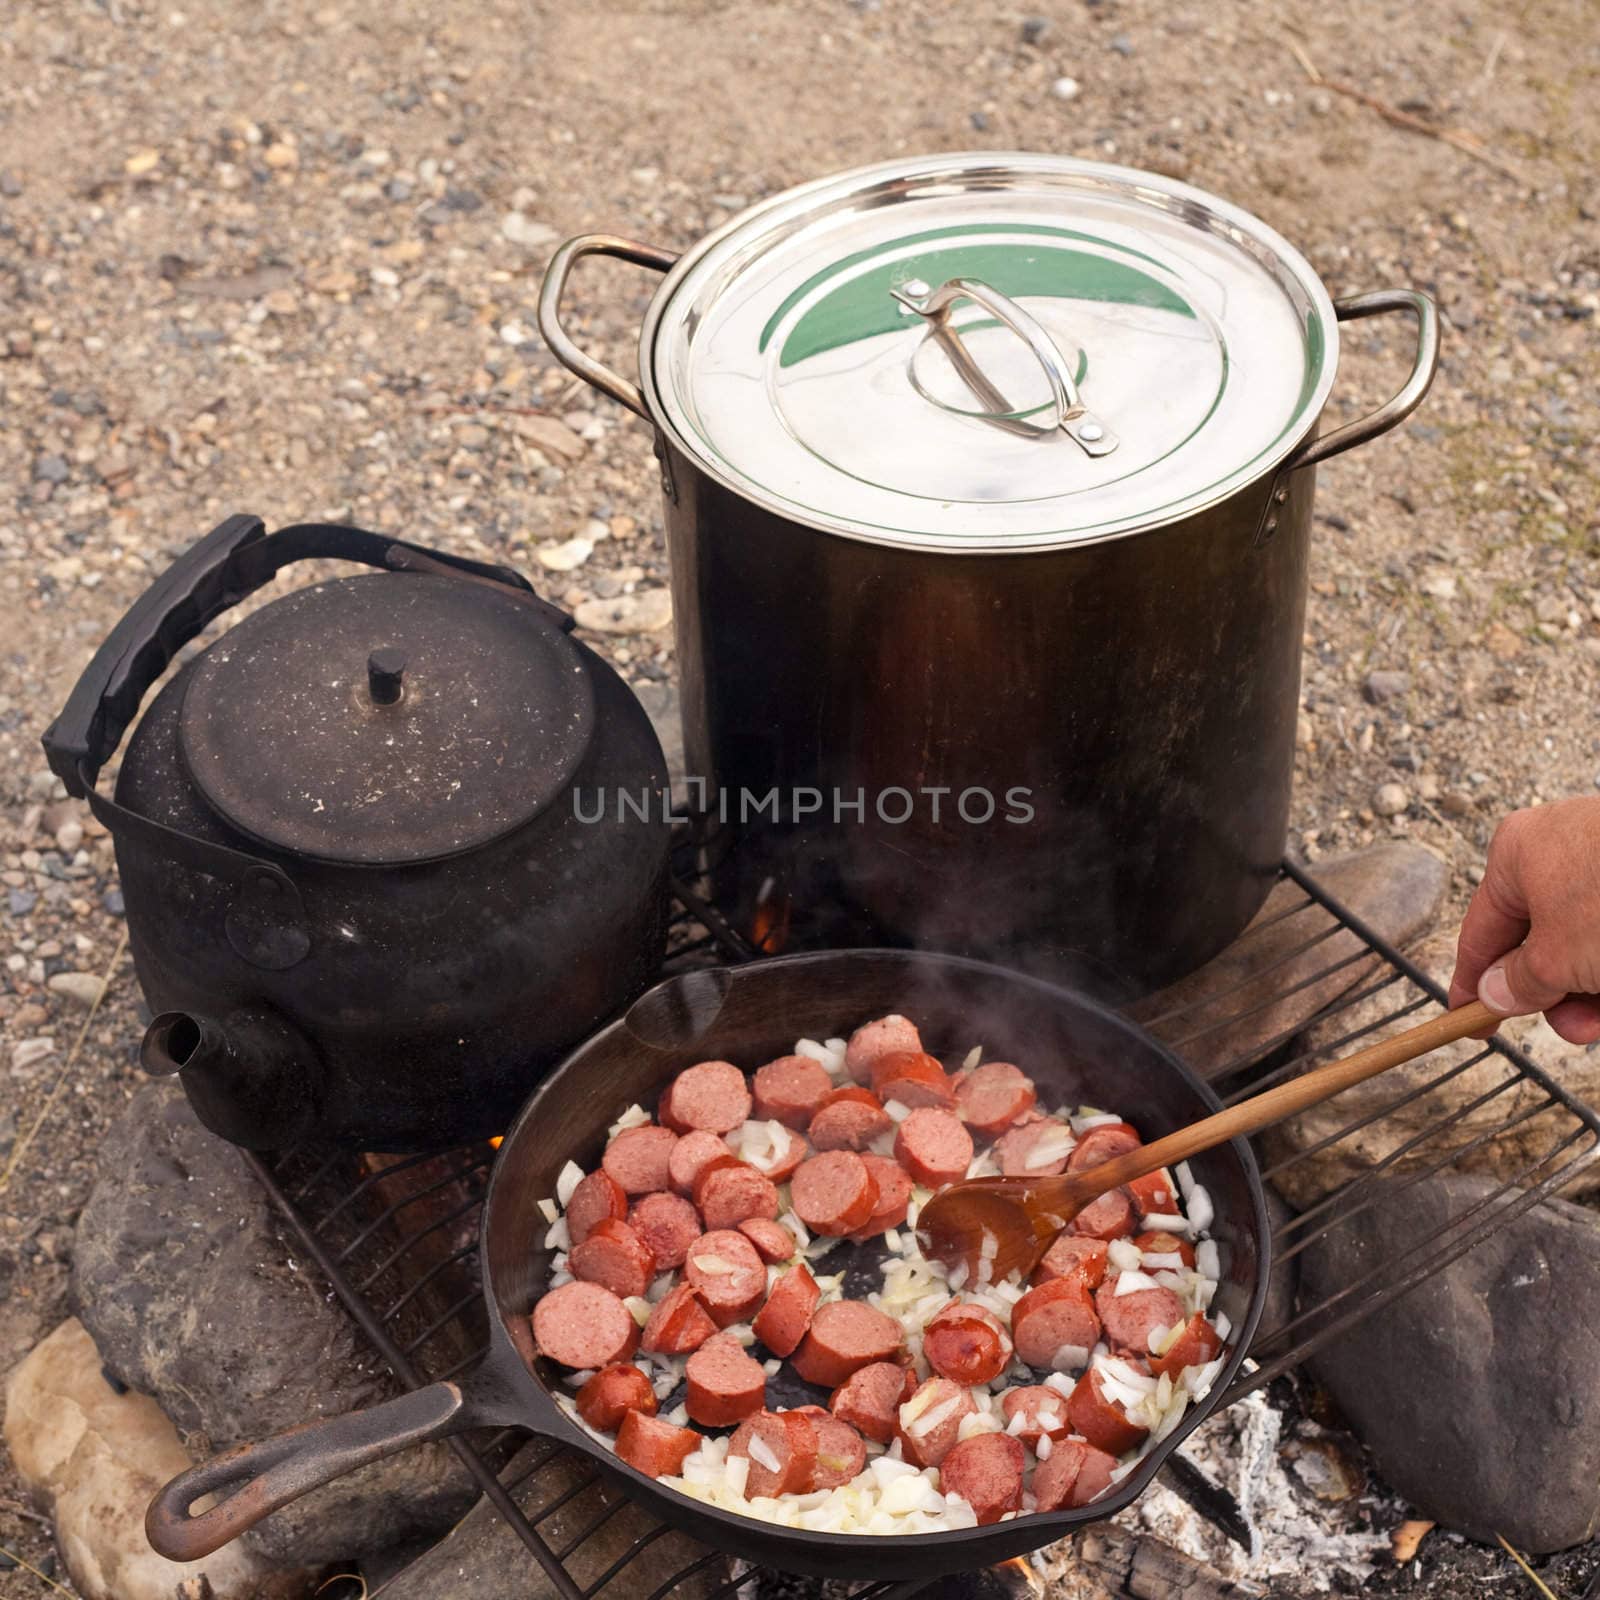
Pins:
x: 1406, y: 399
x: 561, y: 344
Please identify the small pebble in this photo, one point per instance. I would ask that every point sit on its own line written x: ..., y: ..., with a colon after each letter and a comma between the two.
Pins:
x: 51, y: 469
x: 1035, y: 29
x: 1122, y: 44
x: 1065, y: 88
x: 29, y: 1052
x: 113, y: 903
x: 1390, y: 800
x: 82, y: 988
x: 1381, y: 687
x: 69, y: 836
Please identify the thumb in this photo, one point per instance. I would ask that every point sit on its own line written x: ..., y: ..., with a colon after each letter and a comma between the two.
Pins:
x: 1522, y: 982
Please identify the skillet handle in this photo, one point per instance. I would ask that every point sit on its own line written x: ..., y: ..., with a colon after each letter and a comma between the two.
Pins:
x: 555, y: 281
x: 255, y: 1479
x: 1405, y: 400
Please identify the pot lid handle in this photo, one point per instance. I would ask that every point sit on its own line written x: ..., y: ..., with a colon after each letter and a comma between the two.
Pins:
x: 1072, y: 417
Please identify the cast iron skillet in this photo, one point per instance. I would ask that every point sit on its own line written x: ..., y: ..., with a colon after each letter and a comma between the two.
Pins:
x: 1075, y: 1050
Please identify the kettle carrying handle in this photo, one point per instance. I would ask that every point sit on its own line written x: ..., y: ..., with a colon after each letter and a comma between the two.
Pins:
x: 234, y: 560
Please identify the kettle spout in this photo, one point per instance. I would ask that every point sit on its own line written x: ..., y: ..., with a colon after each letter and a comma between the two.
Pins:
x: 252, y: 1078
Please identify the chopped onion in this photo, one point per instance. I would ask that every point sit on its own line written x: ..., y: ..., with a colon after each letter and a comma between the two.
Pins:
x: 1132, y: 1282
x: 1088, y: 1117
x: 1155, y: 1340
x: 558, y: 1238
x: 1208, y: 1259
x: 568, y: 1179
x: 1201, y: 1211
x: 896, y: 1111
x: 761, y: 1451
x: 634, y: 1117
x: 1163, y: 1260
x: 639, y: 1308
x: 1166, y: 1222
x: 1069, y: 1358
x: 1062, y: 1386
x: 550, y: 1210
x: 1124, y: 1254
x: 1223, y: 1326
x: 972, y: 1058
x: 929, y: 1420
x: 678, y: 1416
x: 576, y: 1380
x: 717, y: 1266
x: 915, y: 1406
x: 1051, y: 1148
x: 1185, y: 1178
x: 772, y: 1367
x: 1042, y: 1449
x: 737, y: 1473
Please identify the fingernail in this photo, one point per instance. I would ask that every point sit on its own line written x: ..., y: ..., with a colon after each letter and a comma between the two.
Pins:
x: 1495, y: 992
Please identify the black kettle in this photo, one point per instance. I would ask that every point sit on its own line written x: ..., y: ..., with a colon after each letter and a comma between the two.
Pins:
x: 390, y: 847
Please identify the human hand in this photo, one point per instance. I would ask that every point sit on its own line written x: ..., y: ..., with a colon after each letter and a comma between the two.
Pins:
x: 1530, y: 940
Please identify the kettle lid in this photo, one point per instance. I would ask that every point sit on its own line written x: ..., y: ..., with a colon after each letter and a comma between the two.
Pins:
x: 386, y: 719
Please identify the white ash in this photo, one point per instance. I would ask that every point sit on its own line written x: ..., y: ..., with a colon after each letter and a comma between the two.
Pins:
x: 1294, y: 1534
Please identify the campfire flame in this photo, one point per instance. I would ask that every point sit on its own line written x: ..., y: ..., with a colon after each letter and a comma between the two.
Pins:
x: 769, y: 923
x: 1022, y: 1576
x: 498, y: 1140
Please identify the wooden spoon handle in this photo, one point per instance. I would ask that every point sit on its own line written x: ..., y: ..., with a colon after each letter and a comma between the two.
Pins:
x: 1309, y: 1089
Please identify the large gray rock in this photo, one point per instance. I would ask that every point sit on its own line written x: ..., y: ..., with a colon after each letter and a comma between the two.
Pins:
x: 1287, y: 965
x: 483, y: 1557
x: 1482, y: 1099
x: 184, y: 1281
x: 1478, y: 1392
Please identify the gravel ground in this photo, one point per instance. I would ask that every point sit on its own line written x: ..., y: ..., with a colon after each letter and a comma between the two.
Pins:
x: 284, y: 258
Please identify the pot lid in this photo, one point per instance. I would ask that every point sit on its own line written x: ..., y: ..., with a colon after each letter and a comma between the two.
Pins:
x: 990, y: 351
x: 386, y: 719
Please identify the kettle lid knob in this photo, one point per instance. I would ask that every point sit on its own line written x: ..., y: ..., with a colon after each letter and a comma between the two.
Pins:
x: 386, y: 676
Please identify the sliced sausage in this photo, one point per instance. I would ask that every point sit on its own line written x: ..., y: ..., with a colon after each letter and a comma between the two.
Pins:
x: 679, y: 1323
x: 833, y: 1193
x: 933, y: 1146
x: 724, y: 1383
x: 598, y: 1195
x: 772, y: 1240
x: 845, y: 1335
x: 770, y: 1148
x: 990, y: 1098
x: 1102, y: 1421
x: 583, y: 1325
x: 870, y: 1399
x: 771, y: 1436
x: 967, y: 1342
x: 790, y: 1089
x: 1035, y: 1149
x: 782, y: 1322
x: 841, y: 1451
x: 709, y: 1098
x: 1043, y: 1412
x: 1162, y: 1243
x: 612, y: 1393
x: 653, y: 1447
x: 639, y: 1159
x: 1194, y: 1347
x: 849, y: 1119
x: 728, y: 1194
x: 1073, y: 1475
x: 1057, y: 1314
x: 668, y: 1224
x: 894, y: 1195
x: 691, y: 1155
x: 1072, y: 1256
x: 879, y: 1038
x: 913, y: 1078
x: 731, y: 1277
x: 1154, y: 1195
x: 1130, y: 1318
x: 614, y: 1256
x: 1099, y: 1144
x: 929, y: 1423
x: 986, y: 1471
x: 1109, y: 1217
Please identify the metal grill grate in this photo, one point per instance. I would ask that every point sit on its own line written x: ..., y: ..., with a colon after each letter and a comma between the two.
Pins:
x: 398, y: 1242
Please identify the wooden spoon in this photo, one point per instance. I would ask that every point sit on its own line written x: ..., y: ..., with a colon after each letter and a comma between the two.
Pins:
x: 1017, y: 1217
